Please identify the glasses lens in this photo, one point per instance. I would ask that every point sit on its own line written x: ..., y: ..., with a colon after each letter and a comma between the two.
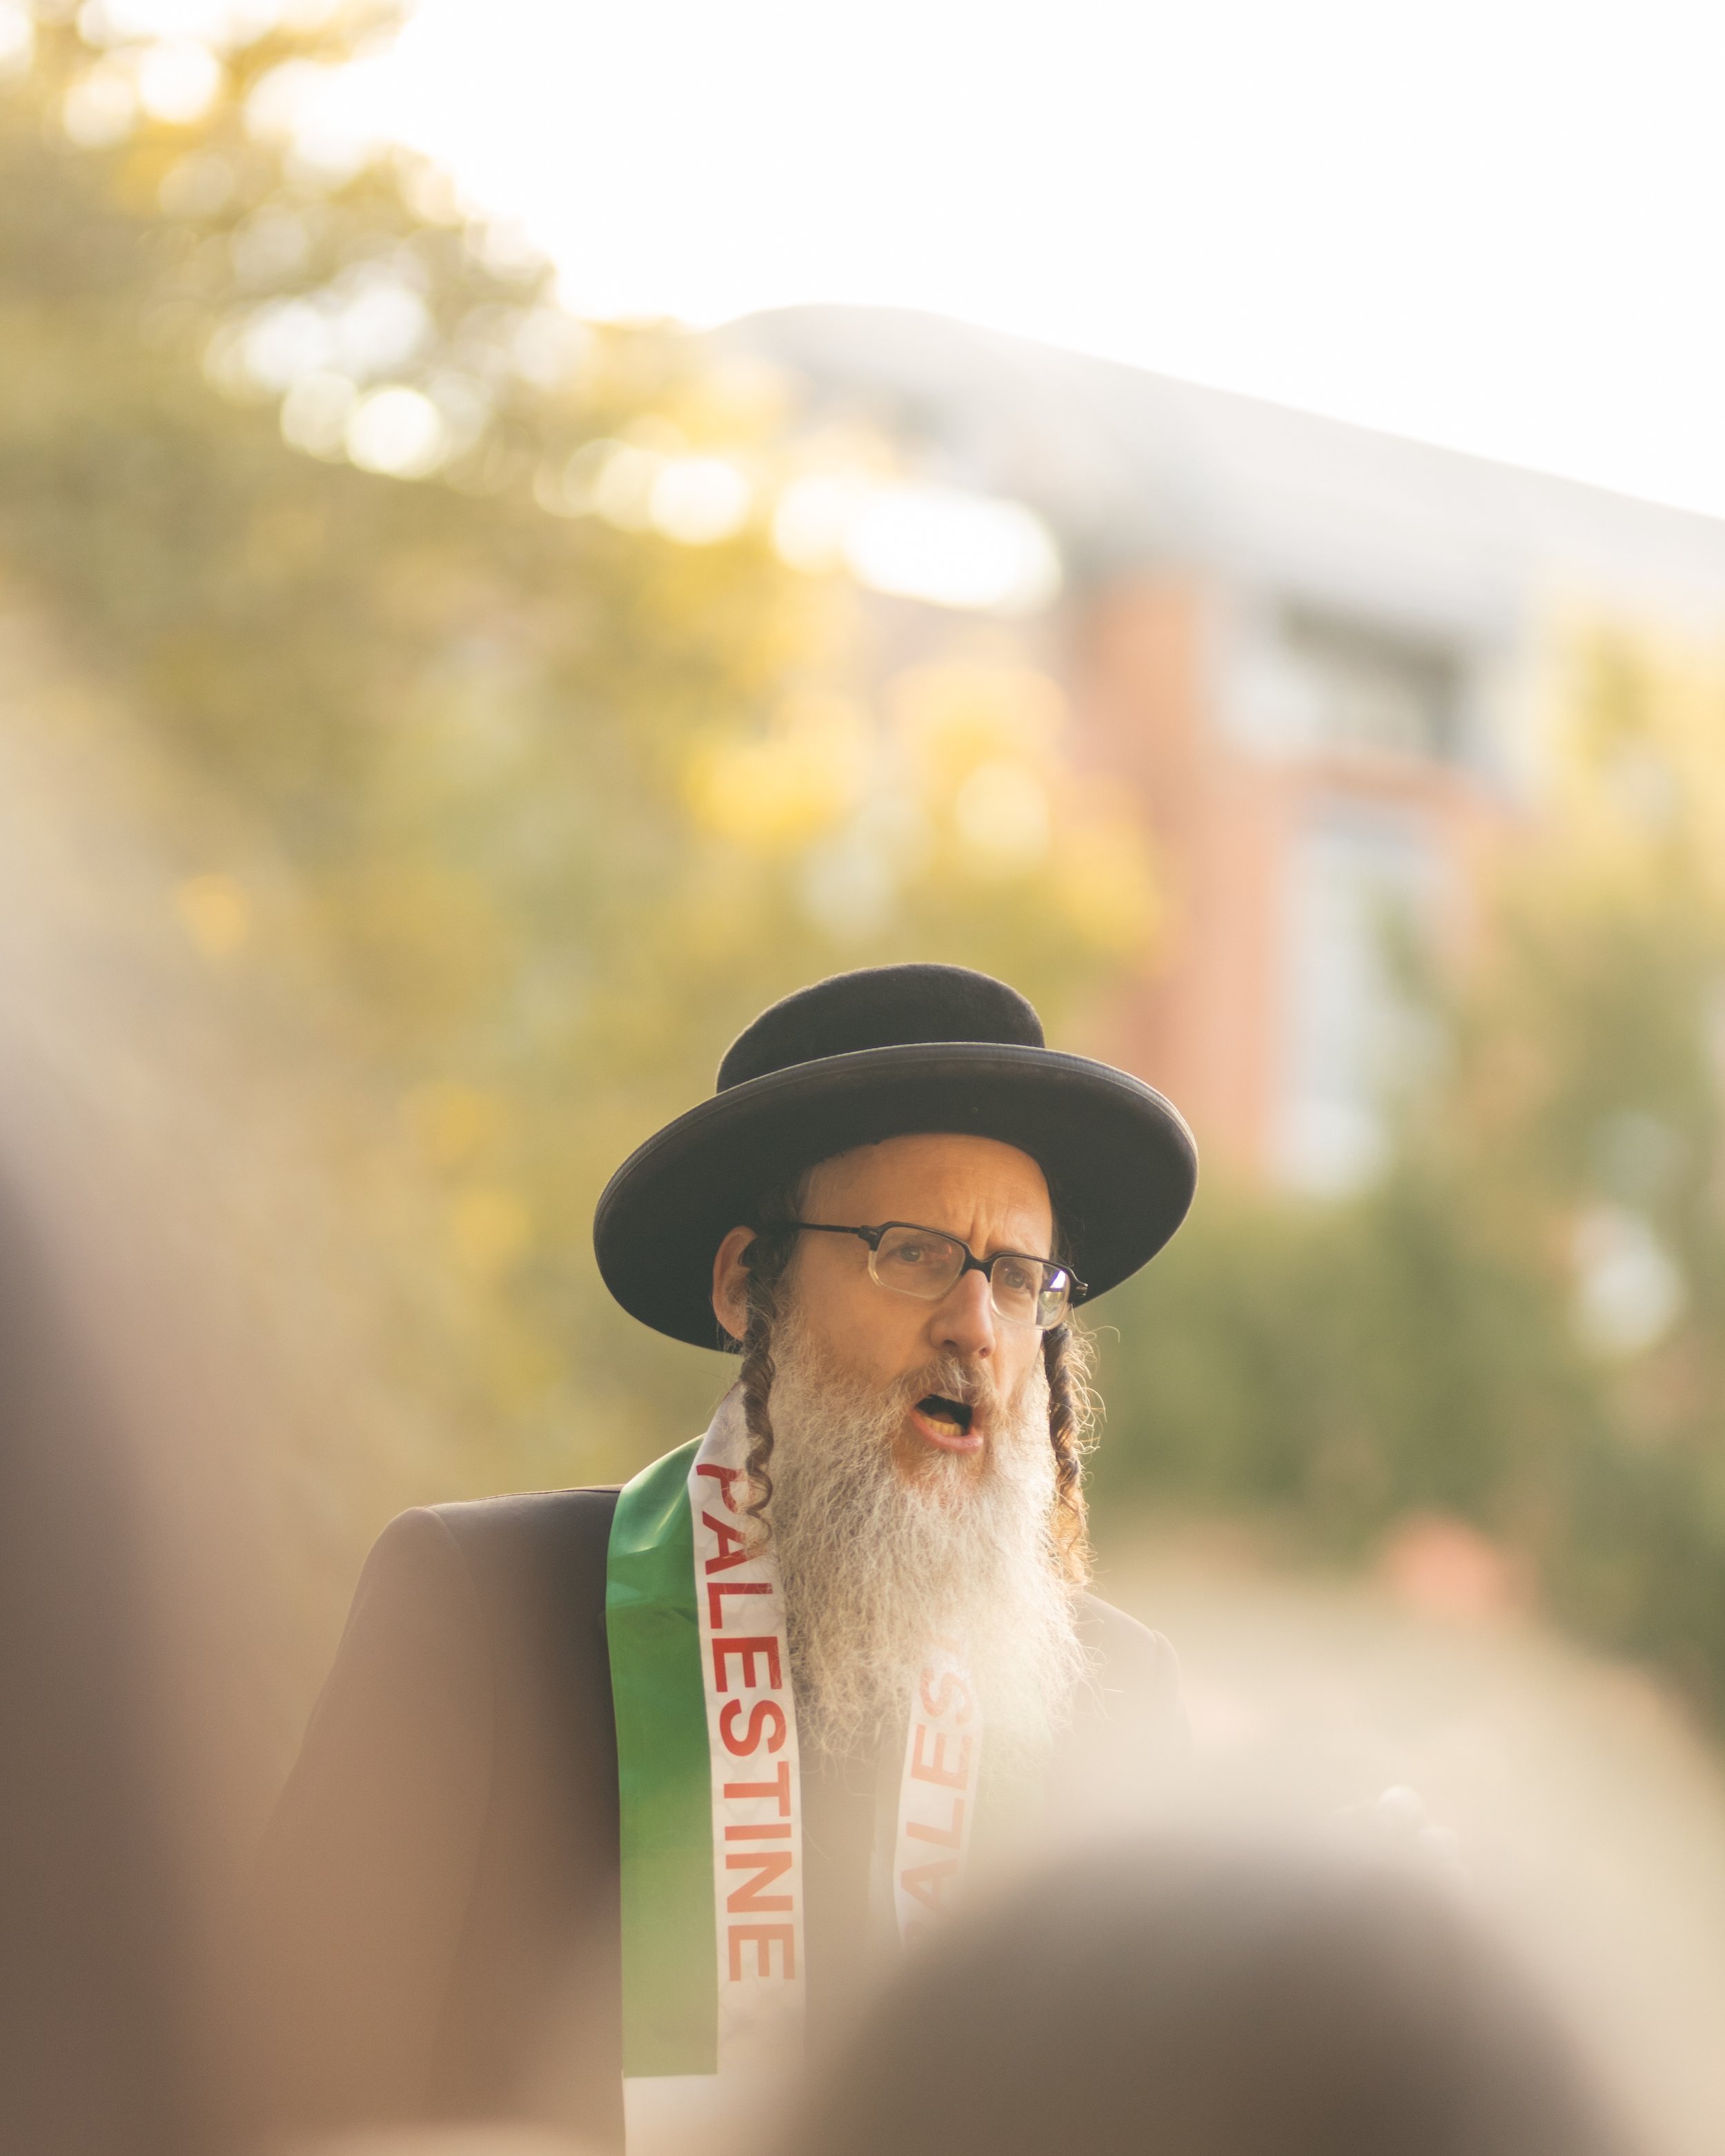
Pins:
x: 913, y: 1261
x: 1027, y: 1291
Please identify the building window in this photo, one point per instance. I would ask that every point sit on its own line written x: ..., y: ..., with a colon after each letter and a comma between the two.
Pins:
x: 1362, y: 687
x: 1363, y: 888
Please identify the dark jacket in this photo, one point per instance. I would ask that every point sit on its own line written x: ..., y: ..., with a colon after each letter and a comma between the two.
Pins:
x: 436, y: 1920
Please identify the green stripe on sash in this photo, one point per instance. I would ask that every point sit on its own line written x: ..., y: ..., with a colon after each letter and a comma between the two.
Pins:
x: 669, y: 1947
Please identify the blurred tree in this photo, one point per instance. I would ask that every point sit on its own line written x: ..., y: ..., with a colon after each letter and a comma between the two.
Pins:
x: 1520, y: 1323
x: 1336, y: 1366
x: 512, y: 771
x: 1588, y: 1088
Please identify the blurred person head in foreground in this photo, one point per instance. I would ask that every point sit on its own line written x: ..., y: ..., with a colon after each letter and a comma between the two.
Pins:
x: 1180, y: 2000
x: 645, y: 1781
x: 106, y: 2046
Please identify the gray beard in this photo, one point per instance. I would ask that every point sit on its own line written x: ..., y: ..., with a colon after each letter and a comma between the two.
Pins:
x: 876, y: 1565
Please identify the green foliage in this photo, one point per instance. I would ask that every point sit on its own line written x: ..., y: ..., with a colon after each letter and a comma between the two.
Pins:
x: 1341, y: 1365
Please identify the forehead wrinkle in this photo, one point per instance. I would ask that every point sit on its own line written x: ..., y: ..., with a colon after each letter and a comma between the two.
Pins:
x: 939, y: 1180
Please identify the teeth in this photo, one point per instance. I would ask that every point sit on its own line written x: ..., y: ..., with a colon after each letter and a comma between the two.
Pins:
x: 939, y: 1409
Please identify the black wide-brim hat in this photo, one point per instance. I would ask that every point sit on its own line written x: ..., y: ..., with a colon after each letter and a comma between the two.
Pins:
x: 885, y: 1053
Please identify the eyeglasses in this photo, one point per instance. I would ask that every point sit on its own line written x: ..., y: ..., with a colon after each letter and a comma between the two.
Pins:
x: 922, y: 1262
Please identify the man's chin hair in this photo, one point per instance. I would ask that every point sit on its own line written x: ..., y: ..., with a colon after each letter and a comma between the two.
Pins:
x: 878, y: 1564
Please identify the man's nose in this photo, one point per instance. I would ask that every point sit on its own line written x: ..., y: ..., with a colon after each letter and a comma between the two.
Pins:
x: 965, y: 1320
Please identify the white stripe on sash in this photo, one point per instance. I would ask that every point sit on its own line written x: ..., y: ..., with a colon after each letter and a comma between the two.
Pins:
x: 752, y: 1740
x: 937, y: 1798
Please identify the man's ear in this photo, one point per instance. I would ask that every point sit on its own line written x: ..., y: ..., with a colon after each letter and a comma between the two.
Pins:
x: 730, y: 1289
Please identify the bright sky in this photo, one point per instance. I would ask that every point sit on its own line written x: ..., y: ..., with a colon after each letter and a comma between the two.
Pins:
x: 1493, y: 224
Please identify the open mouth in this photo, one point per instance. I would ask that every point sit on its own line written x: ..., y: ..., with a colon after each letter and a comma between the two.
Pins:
x: 948, y: 1415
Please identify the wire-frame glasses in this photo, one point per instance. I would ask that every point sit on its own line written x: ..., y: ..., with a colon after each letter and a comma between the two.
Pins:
x: 927, y: 1264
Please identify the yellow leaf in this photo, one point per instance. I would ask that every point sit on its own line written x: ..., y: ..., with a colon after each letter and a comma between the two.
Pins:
x: 216, y: 912
x: 490, y: 1229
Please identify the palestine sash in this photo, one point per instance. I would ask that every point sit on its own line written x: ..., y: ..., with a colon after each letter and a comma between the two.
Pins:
x: 714, y: 1969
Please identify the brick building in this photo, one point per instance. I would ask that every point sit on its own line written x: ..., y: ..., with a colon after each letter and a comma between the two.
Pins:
x: 1310, y: 650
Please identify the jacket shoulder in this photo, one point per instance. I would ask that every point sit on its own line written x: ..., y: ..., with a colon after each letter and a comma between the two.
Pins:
x: 450, y: 1825
x: 530, y: 1521
x: 534, y: 1559
x: 1127, y: 1750
x: 1128, y: 1655
x: 1134, y: 1678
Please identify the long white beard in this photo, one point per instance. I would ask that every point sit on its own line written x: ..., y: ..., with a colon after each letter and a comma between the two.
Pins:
x: 877, y: 1564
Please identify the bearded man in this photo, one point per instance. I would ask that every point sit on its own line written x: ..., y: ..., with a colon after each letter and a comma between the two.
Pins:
x: 613, y: 1799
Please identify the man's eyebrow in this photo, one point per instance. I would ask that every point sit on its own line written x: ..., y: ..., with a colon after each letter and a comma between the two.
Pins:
x: 1017, y: 1250
x: 994, y: 1250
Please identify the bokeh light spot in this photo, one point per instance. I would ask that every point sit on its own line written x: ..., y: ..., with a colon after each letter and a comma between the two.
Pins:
x: 449, y: 1122
x: 18, y: 39
x: 398, y: 432
x: 315, y: 412
x: 1002, y: 814
x: 954, y: 550
x: 1629, y: 1292
x: 620, y: 489
x: 780, y: 791
x: 490, y: 1229
x: 382, y: 327
x: 101, y: 107
x: 812, y: 518
x: 178, y: 83
x: 216, y: 912
x: 284, y: 341
x: 699, y: 501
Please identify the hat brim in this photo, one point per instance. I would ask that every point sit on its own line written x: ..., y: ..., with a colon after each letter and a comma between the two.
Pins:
x: 1121, y: 1164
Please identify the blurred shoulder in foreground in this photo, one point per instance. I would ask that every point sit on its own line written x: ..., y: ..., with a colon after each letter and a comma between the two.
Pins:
x: 105, y: 2046
x: 1201, y: 2001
